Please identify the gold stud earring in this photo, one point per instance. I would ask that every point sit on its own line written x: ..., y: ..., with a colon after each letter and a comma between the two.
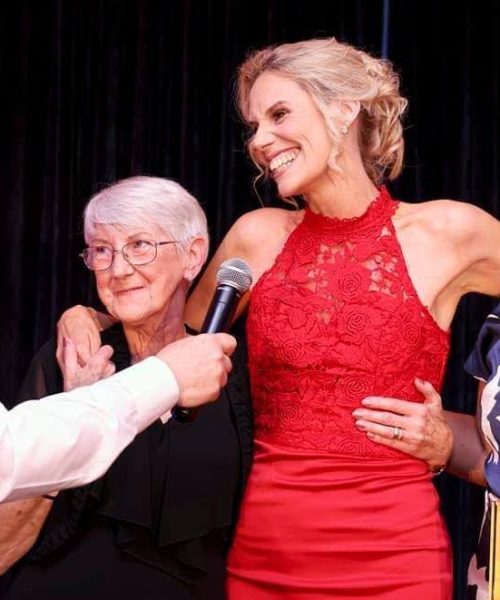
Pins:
x: 345, y: 128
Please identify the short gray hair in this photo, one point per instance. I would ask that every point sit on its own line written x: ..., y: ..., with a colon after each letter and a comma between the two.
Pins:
x: 142, y: 200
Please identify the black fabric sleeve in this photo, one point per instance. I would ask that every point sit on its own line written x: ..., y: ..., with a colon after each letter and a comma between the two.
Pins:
x: 43, y: 376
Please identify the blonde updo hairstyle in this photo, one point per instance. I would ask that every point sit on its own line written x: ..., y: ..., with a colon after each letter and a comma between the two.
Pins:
x: 330, y: 70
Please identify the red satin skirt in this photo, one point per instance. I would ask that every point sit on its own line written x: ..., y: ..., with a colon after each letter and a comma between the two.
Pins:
x: 325, y: 526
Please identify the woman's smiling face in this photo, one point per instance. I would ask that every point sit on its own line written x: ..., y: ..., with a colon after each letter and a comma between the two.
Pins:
x: 290, y: 140
x: 134, y: 294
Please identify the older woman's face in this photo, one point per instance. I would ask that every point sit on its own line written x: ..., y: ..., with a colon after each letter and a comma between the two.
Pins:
x: 291, y: 140
x: 135, y: 294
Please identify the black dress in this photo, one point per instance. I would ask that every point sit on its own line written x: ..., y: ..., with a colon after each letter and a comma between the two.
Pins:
x: 159, y: 523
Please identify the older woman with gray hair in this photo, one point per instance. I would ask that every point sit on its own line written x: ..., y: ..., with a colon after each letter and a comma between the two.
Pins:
x: 157, y: 525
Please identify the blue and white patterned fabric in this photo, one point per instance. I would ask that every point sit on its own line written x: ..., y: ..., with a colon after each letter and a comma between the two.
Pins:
x: 484, y: 364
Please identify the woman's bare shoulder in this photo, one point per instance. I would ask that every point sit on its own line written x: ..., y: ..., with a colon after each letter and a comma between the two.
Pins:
x: 440, y: 206
x: 268, y: 218
x: 259, y: 227
x: 453, y: 218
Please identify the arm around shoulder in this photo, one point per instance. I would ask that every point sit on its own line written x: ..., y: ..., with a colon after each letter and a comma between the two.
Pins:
x: 251, y: 237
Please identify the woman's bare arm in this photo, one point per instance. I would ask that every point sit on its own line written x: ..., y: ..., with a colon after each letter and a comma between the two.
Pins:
x: 199, y: 300
x: 469, y: 448
x: 20, y: 524
x: 256, y: 237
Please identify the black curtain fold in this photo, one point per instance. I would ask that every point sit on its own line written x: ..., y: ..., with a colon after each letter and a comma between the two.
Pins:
x: 96, y: 90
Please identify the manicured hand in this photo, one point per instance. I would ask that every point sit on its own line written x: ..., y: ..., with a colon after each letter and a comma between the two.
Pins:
x: 418, y: 429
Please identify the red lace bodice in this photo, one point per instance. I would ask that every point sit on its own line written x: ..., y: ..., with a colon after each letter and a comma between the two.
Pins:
x: 335, y: 319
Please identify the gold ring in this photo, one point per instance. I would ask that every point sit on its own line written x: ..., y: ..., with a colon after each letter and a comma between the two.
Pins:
x: 397, y: 434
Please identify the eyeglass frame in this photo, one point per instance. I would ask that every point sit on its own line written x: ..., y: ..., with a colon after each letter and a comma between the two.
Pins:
x: 124, y: 255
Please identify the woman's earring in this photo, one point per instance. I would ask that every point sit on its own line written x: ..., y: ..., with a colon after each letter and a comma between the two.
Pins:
x: 345, y: 128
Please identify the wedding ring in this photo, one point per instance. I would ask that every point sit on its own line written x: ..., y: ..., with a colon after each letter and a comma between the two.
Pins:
x: 397, y: 434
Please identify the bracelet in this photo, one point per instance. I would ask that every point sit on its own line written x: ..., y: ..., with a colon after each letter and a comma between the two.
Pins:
x: 93, y: 315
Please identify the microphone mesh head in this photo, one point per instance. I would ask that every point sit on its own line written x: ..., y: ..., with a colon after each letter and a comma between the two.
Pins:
x: 236, y: 273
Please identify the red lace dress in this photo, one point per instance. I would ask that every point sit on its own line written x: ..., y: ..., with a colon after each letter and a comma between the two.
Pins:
x: 327, y: 513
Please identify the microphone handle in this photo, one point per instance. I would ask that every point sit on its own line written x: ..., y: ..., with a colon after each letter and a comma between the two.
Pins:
x: 221, y: 310
x: 217, y: 320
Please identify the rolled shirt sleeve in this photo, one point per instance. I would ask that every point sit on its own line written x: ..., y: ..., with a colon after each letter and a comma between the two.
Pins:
x: 70, y: 439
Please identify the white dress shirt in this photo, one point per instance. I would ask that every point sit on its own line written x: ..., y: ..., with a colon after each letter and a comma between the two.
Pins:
x: 70, y: 439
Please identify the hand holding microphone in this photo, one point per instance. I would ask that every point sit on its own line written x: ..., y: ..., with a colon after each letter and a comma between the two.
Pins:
x: 201, y: 365
x: 234, y: 277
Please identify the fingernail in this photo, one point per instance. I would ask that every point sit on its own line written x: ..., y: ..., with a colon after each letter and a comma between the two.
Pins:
x: 370, y: 435
x: 356, y: 413
x: 360, y: 425
x: 367, y: 401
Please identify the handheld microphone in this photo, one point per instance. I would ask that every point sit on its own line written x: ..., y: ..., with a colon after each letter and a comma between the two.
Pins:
x: 234, y: 277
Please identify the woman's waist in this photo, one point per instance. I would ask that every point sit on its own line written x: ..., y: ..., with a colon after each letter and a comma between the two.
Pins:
x: 379, y: 494
x: 299, y: 461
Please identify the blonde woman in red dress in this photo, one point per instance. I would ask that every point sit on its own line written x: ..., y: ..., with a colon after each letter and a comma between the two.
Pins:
x: 353, y: 296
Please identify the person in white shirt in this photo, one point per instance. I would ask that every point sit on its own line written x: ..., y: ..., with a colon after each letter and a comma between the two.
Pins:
x: 70, y: 439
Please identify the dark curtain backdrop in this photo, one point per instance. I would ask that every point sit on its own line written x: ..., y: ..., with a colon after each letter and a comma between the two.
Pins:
x: 93, y: 91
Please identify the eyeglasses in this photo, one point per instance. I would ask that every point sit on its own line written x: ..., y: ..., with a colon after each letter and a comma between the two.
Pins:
x: 136, y: 253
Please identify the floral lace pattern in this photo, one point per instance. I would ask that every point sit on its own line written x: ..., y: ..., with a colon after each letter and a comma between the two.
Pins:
x: 336, y: 319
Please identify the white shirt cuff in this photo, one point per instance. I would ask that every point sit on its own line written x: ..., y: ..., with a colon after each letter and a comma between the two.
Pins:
x: 154, y: 387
